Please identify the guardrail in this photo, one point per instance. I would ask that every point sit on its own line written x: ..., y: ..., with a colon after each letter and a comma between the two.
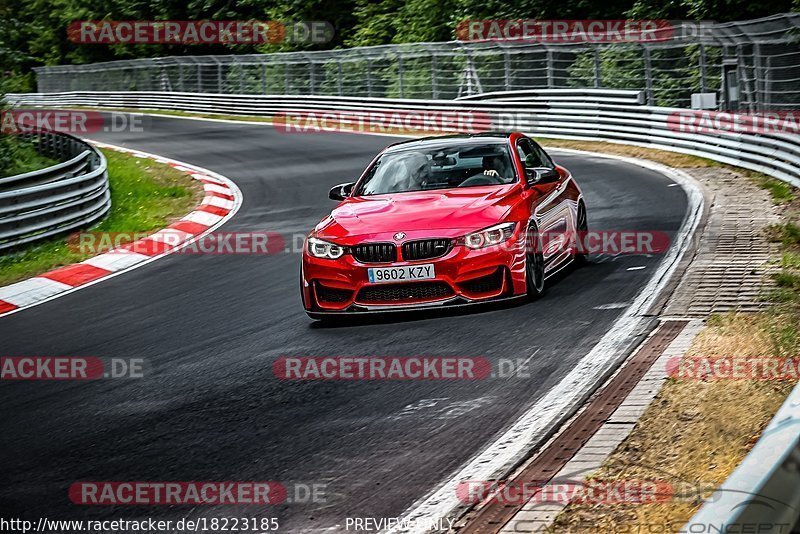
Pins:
x: 615, y: 116
x: 766, y: 487
x: 46, y: 202
x: 763, y: 493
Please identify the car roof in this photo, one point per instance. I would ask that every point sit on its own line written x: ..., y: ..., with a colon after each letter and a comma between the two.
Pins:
x: 445, y: 140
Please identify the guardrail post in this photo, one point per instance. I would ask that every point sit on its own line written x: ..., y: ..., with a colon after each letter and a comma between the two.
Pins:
x: 550, y: 77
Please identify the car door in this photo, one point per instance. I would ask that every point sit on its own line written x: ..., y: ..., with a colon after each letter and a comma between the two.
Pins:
x: 550, y: 209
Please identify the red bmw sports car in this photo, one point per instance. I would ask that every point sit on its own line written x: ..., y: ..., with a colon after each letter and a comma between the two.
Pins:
x: 444, y: 221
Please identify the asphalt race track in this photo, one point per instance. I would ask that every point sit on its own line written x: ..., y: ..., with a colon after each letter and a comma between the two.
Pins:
x: 209, y: 328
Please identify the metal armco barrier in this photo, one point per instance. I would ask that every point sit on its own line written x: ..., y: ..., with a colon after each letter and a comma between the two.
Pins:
x: 68, y: 195
x: 615, y: 116
x: 763, y: 493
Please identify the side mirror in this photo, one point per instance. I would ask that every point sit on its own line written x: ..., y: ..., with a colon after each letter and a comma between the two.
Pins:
x: 542, y: 175
x: 341, y: 191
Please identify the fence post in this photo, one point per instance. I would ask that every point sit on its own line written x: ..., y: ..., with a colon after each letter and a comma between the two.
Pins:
x: 597, y: 72
x: 339, y: 76
x: 400, y: 73
x: 648, y: 76
x: 507, y: 66
x: 758, y: 77
x: 434, y: 69
x: 702, y: 62
x: 369, y: 77
x: 312, y: 80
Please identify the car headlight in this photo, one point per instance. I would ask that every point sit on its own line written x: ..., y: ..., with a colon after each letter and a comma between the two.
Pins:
x: 323, y: 249
x: 494, y: 235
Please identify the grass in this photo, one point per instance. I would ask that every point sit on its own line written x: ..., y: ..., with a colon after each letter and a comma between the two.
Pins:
x: 781, y: 192
x: 145, y: 196
x: 26, y: 159
x: 673, y: 159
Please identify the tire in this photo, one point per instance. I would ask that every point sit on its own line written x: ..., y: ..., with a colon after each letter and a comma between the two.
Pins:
x: 582, y: 226
x: 534, y: 264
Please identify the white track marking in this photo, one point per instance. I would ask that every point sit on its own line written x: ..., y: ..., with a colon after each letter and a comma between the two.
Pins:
x: 498, y: 458
x: 31, y: 290
x: 203, y: 217
x: 116, y: 260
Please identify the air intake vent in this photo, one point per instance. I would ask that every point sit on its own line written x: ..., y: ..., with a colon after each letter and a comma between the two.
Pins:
x: 375, y: 253
x: 426, y: 249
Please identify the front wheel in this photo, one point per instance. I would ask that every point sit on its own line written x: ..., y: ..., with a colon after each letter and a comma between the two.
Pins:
x: 534, y: 264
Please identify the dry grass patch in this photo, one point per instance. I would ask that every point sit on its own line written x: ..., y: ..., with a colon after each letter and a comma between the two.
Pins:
x: 694, y: 433
x: 673, y: 159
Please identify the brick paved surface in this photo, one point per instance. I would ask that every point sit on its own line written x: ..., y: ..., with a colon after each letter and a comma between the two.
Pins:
x: 728, y: 271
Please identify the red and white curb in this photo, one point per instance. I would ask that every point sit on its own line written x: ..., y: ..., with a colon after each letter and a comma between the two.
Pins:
x: 221, y: 202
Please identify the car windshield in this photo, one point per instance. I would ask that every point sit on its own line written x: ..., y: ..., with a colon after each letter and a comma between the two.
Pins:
x: 439, y: 167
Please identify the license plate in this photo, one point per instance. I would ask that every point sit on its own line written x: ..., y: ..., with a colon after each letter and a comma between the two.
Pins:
x: 379, y: 275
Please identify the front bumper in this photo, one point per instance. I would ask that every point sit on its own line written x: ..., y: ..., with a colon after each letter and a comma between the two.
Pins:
x: 463, y: 276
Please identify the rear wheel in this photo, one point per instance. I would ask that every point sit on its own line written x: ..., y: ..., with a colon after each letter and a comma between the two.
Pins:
x: 534, y: 264
x: 582, y: 226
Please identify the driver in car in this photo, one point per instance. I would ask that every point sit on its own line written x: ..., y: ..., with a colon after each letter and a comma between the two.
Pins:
x: 494, y: 166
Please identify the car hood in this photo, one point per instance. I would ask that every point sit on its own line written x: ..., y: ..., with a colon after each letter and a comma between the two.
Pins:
x: 449, y: 212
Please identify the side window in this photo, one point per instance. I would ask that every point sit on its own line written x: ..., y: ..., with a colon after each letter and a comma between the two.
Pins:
x: 542, y: 156
x: 525, y: 149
